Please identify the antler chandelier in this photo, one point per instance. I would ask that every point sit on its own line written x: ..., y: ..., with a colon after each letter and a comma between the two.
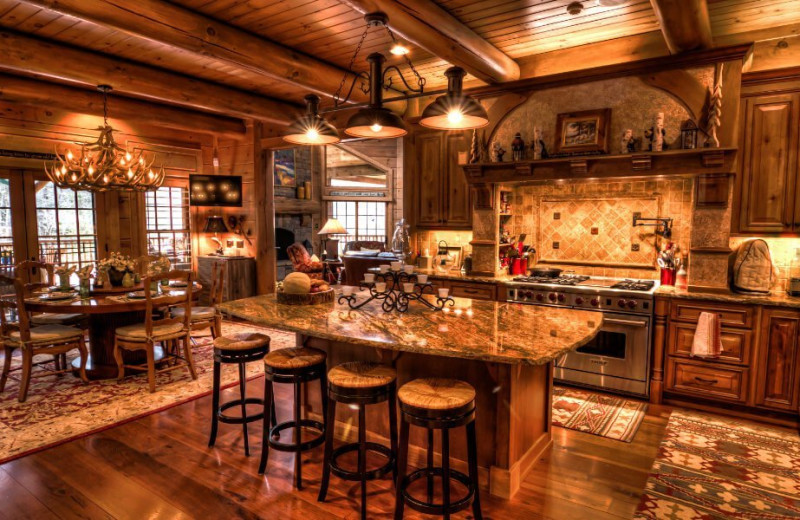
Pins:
x: 104, y: 165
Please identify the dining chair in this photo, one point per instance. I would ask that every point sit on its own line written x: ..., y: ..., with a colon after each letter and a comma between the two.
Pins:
x: 168, y: 331
x: 50, y: 339
x: 208, y: 317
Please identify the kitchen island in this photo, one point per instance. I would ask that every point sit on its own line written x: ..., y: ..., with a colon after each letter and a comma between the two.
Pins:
x: 505, y: 351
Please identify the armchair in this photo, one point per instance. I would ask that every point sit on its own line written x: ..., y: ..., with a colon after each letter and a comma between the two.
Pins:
x: 301, y: 261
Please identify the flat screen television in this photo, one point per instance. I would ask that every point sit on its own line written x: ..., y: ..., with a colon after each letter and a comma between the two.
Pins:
x: 215, y: 190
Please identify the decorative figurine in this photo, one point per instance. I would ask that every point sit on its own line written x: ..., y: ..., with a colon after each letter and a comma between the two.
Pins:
x: 656, y: 133
x: 474, y: 149
x: 518, y: 148
x: 497, y: 152
x: 537, y: 146
x: 688, y: 135
x: 714, y: 109
x: 625, y: 143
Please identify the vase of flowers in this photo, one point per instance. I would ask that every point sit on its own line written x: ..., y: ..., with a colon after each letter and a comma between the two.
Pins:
x: 117, y: 266
x: 159, y: 266
x: 64, y: 273
x: 84, y: 276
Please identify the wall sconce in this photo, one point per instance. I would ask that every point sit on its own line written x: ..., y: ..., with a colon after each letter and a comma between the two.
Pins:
x: 216, y: 224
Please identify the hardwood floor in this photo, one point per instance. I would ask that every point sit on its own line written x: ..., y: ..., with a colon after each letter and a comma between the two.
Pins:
x: 160, y: 467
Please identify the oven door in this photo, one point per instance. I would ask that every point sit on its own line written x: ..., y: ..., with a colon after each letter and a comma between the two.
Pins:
x: 620, y: 349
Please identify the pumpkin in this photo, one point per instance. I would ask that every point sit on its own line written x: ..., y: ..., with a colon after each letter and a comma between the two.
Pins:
x: 297, y: 283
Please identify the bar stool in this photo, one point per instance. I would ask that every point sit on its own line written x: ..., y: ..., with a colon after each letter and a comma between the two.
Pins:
x: 240, y: 349
x: 296, y: 366
x: 360, y: 383
x: 438, y: 404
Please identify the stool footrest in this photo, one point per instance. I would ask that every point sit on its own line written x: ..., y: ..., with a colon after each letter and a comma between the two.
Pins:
x: 437, y: 509
x: 227, y: 419
x: 368, y: 475
x: 292, y: 447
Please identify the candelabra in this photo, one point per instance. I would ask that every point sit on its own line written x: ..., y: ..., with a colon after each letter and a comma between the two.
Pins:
x: 395, y: 295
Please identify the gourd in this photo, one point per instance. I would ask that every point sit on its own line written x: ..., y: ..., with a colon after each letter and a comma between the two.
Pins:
x: 297, y: 283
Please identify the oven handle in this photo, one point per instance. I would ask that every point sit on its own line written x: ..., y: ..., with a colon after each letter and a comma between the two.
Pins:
x: 614, y: 321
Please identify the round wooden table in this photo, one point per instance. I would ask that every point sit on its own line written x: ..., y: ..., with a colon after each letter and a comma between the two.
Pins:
x: 106, y: 314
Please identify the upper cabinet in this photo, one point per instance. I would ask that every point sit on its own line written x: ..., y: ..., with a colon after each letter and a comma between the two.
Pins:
x: 767, y: 198
x: 443, y: 199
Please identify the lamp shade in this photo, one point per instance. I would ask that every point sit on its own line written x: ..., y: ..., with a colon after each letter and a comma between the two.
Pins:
x: 454, y: 110
x: 333, y: 227
x: 311, y: 128
x: 375, y: 121
x: 215, y: 224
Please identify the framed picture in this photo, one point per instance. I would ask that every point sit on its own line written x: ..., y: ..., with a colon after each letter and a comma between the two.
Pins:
x: 283, y: 168
x: 585, y: 131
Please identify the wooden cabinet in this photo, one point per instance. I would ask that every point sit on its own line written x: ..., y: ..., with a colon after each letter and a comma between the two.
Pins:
x: 778, y: 359
x: 476, y: 291
x: 443, y: 195
x: 767, y: 192
x: 240, y: 277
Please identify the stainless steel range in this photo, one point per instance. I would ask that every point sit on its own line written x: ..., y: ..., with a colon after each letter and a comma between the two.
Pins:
x: 618, y: 358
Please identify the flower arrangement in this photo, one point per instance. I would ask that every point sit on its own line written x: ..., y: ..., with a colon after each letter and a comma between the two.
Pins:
x: 64, y: 272
x: 116, y: 266
x: 85, y: 272
x: 158, y: 266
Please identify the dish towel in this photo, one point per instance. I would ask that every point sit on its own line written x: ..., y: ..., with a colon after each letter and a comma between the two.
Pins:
x: 707, y: 342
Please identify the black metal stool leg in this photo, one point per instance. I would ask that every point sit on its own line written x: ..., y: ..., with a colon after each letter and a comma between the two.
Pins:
x: 430, y: 464
x: 298, y: 434
x: 269, y: 403
x: 243, y: 394
x: 362, y: 457
x: 472, y: 459
x: 402, y: 466
x: 326, y: 462
x: 393, y: 429
x: 446, y: 473
x: 214, y: 405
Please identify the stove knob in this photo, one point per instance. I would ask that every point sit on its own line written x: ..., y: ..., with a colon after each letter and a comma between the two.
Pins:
x: 595, y: 302
x: 621, y: 303
x: 552, y: 297
x: 529, y: 295
x: 631, y: 304
x: 561, y: 298
x: 539, y: 297
x: 579, y: 300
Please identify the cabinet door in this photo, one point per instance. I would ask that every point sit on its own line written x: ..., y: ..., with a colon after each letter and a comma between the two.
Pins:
x: 430, y: 172
x: 778, y: 359
x: 769, y: 164
x: 457, y: 201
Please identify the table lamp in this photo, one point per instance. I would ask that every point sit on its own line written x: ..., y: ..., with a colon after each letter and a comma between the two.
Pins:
x: 332, y: 227
x: 216, y: 224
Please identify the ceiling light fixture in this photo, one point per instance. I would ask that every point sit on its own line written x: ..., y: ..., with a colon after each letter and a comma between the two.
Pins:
x: 376, y: 121
x: 454, y: 110
x: 104, y: 165
x: 312, y: 128
x: 399, y: 48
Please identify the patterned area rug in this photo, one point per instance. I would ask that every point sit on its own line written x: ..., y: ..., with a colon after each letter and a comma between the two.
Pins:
x: 599, y: 414
x: 711, y: 467
x: 61, y: 408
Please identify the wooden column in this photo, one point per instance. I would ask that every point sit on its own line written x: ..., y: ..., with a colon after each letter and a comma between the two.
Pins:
x: 265, y: 215
x: 659, y: 341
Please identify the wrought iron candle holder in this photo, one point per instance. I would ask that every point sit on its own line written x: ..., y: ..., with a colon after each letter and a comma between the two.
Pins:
x: 394, y: 297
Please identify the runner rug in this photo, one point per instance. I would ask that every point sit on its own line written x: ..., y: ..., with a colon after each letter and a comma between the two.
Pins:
x: 711, y: 468
x: 599, y: 414
x: 62, y: 408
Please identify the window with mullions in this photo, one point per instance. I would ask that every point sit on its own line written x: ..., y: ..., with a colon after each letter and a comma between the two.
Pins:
x: 66, y: 225
x: 167, y: 211
x: 6, y: 233
x: 363, y: 220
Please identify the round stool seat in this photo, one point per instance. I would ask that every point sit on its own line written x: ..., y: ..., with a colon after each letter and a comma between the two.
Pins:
x: 436, y: 394
x: 358, y: 374
x: 242, y: 341
x: 292, y: 358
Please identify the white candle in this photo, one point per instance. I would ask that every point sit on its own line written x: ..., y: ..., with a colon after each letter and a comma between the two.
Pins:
x: 409, y: 269
x: 422, y: 278
x: 408, y: 287
x: 369, y: 277
x: 443, y: 292
x: 396, y: 266
x: 380, y: 286
x: 383, y: 268
x: 347, y: 290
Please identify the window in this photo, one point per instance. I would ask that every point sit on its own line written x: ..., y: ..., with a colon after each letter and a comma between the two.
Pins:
x: 6, y: 233
x: 363, y: 220
x: 167, y: 211
x: 66, y: 225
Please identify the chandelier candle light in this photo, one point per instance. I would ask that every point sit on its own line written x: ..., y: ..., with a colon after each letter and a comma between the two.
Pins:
x: 104, y: 165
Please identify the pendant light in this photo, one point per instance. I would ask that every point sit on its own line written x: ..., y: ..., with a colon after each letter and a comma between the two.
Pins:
x: 454, y: 110
x: 375, y: 121
x: 311, y: 128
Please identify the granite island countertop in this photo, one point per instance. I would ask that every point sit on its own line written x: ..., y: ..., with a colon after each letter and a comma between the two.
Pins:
x: 481, y: 330
x: 773, y: 299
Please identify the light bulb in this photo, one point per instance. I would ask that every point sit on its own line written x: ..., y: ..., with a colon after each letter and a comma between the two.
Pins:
x: 69, y: 154
x: 74, y: 177
x: 63, y: 169
x: 105, y: 179
x: 91, y: 170
x: 376, y: 128
x: 398, y: 49
x: 455, y: 116
x: 150, y: 174
x: 121, y: 161
x: 130, y: 173
x: 312, y: 134
x: 127, y: 156
x: 141, y: 160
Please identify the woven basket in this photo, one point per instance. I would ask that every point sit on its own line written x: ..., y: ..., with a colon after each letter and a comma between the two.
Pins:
x: 306, y: 299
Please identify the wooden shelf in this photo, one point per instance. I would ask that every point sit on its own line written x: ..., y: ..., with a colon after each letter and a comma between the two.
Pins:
x: 296, y: 206
x: 645, y: 164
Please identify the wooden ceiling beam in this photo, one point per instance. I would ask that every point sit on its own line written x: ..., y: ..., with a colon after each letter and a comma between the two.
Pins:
x: 172, y: 25
x: 32, y: 56
x: 37, y: 93
x: 685, y: 24
x: 440, y: 33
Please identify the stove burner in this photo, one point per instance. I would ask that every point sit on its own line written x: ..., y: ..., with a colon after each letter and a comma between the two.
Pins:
x: 634, y: 285
x: 565, y: 279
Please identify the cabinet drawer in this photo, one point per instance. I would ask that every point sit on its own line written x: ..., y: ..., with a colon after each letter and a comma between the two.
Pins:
x: 706, y: 380
x: 473, y: 290
x: 731, y: 315
x: 735, y: 343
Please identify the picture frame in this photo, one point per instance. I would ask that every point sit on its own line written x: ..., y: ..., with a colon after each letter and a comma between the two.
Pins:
x: 584, y: 131
x: 283, y: 168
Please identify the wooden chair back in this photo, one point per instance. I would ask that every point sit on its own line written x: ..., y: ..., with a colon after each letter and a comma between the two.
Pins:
x: 217, y: 282
x: 174, y: 298
x: 37, y: 275
x: 13, y: 300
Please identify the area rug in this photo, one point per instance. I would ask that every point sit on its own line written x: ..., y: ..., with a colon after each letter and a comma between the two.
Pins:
x: 599, y: 414
x: 62, y: 408
x: 711, y: 467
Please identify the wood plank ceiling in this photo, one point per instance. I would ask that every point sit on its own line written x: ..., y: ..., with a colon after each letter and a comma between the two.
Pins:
x: 329, y: 30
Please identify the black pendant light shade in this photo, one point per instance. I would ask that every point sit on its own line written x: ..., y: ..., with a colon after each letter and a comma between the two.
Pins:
x: 454, y: 110
x: 311, y: 128
x: 375, y: 121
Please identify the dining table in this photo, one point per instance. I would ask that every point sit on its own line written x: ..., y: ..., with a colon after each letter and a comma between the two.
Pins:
x: 107, y: 309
